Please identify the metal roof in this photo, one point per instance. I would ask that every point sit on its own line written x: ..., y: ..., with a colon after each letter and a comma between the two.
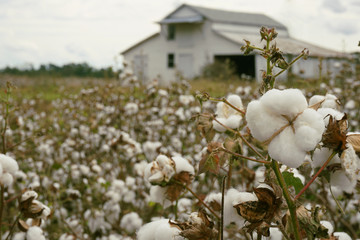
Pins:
x: 195, y: 19
x: 216, y: 15
x: 287, y: 45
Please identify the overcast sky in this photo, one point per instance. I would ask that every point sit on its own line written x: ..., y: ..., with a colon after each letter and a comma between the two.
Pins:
x: 95, y: 31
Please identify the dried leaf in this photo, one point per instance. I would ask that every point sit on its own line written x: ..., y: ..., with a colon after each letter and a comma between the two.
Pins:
x: 354, y: 140
x: 23, y: 226
x: 213, y: 159
x: 174, y: 190
x: 334, y: 136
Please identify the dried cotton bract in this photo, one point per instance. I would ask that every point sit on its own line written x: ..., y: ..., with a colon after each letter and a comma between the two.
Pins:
x: 227, y: 115
x: 282, y: 119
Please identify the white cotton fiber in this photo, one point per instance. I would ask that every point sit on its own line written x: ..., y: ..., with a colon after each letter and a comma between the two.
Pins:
x: 261, y: 122
x: 227, y: 115
x: 232, y: 198
x: 8, y: 164
x: 309, y: 129
x: 329, y: 111
x: 6, y: 179
x: 327, y: 225
x: 158, y: 230
x: 342, y: 236
x: 316, y: 99
x: 131, y: 222
x: 340, y: 180
x: 321, y: 155
x: 35, y: 233
x: 283, y: 148
x: 233, y: 121
x: 183, y: 165
x: 350, y: 163
x: 287, y: 102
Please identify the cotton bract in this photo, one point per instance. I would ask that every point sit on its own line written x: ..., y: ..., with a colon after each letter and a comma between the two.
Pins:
x: 282, y: 118
x: 227, y: 115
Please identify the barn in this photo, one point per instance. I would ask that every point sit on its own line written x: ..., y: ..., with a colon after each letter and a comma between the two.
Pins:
x: 191, y: 37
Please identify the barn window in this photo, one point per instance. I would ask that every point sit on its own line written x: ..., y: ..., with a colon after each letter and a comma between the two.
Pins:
x: 171, y: 60
x: 171, y: 32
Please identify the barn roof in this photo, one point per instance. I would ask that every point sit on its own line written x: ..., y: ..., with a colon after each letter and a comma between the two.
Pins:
x: 224, y: 16
x: 287, y: 45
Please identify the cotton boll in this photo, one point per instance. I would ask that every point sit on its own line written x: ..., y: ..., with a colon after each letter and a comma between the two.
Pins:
x: 350, y: 162
x: 131, y: 222
x: 19, y: 236
x: 284, y: 149
x: 35, y: 233
x: 8, y: 164
x: 350, y: 104
x: 287, y: 102
x: 6, y: 179
x: 158, y: 230
x: 342, y: 236
x: 340, y: 180
x: 217, y: 126
x: 261, y: 122
x: 321, y: 155
x: 158, y: 195
x: 316, y: 99
x: 309, y: 127
x: 275, y: 234
x: 329, y: 111
x: 233, y: 121
x: 234, y: 197
x: 328, y: 225
x: 183, y: 165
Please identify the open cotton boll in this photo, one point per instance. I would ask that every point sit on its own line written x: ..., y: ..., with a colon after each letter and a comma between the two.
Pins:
x: 309, y: 128
x: 342, y: 236
x: 284, y: 149
x: 6, y: 179
x: 321, y: 155
x: 8, y: 164
x: 232, y: 198
x: 35, y: 233
x: 183, y: 165
x: 287, y: 102
x: 329, y: 111
x: 158, y: 230
x: 328, y: 101
x: 131, y: 222
x: 327, y: 225
x: 227, y: 115
x: 350, y: 163
x: 340, y: 180
x: 262, y: 122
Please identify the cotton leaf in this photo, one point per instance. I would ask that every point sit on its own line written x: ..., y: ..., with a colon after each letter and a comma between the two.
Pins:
x: 291, y: 180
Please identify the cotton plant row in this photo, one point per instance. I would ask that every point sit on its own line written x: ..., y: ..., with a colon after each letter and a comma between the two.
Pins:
x: 305, y: 185
x: 86, y: 155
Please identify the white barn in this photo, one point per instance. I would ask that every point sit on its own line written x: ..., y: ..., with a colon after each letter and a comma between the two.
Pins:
x: 191, y: 37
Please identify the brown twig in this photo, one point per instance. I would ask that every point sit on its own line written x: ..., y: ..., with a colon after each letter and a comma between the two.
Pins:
x: 242, y: 156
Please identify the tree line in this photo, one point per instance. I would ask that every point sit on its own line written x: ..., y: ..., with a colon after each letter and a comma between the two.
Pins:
x: 66, y: 70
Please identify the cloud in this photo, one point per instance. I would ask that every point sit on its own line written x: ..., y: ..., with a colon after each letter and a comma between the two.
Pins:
x: 334, y: 6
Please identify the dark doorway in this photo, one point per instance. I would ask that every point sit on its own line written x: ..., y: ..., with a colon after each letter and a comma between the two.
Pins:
x: 244, y: 65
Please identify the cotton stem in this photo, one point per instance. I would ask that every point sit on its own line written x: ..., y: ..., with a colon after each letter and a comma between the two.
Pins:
x: 315, y: 176
x: 289, y: 201
x: 2, y: 203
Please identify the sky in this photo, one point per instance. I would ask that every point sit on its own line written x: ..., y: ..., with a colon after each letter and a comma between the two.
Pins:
x: 96, y: 31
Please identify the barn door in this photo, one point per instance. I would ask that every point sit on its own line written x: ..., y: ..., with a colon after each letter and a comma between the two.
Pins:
x: 185, y: 65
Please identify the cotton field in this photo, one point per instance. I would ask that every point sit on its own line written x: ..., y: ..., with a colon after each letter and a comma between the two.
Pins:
x: 152, y: 163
